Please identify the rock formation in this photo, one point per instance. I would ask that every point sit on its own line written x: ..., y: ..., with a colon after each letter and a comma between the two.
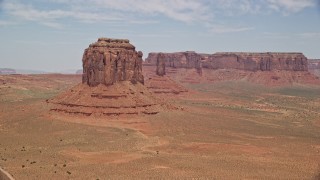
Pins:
x: 188, y: 59
x: 257, y: 61
x: 111, y: 60
x: 161, y: 65
x: 228, y: 60
x: 161, y: 85
x: 112, y: 83
x: 270, y: 68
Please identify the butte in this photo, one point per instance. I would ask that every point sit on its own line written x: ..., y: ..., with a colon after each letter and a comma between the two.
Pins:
x: 112, y: 83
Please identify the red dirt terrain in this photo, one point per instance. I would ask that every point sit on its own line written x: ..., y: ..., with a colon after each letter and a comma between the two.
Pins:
x: 221, y: 129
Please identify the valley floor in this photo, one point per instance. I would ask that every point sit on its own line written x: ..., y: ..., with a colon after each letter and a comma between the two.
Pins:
x: 219, y: 130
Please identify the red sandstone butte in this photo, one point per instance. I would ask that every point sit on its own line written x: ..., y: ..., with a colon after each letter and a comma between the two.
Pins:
x: 111, y: 60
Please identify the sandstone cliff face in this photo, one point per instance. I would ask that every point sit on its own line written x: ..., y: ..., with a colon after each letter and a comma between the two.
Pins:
x: 257, y: 61
x: 229, y: 60
x: 161, y: 65
x: 188, y: 59
x: 111, y: 60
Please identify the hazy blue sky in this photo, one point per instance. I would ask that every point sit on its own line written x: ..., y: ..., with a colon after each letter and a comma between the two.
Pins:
x: 51, y: 35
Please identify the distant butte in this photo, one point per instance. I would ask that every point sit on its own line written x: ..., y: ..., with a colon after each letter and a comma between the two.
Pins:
x: 112, y: 83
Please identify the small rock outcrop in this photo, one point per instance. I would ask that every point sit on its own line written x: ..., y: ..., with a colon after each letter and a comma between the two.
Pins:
x: 161, y: 65
x: 111, y: 60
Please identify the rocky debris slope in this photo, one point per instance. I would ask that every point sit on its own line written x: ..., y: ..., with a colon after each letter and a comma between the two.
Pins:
x: 112, y: 83
x: 122, y: 98
x: 161, y: 85
x: 111, y: 60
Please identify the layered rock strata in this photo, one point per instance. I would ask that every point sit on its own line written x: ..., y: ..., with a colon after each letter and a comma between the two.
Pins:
x: 234, y: 60
x: 162, y: 85
x: 188, y: 59
x: 257, y: 61
x: 122, y: 98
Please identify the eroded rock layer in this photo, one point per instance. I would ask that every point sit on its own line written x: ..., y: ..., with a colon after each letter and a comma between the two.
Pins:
x: 123, y: 98
x: 111, y: 60
x: 188, y: 59
x: 257, y: 61
x: 162, y: 85
x: 234, y: 60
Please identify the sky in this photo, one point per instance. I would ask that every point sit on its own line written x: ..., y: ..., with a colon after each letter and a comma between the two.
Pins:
x: 51, y: 35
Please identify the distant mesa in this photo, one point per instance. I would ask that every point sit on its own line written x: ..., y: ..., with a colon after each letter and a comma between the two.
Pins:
x: 112, y: 83
x: 188, y: 59
x: 274, y: 68
x: 108, y: 61
x: 234, y: 60
x: 7, y: 71
x: 257, y: 61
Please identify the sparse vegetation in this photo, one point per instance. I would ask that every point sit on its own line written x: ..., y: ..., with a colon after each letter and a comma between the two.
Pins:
x: 225, y: 130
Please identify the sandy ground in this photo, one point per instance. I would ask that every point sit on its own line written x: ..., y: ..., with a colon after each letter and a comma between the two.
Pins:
x: 222, y: 130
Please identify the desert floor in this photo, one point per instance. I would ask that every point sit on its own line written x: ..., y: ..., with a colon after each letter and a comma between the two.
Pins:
x: 222, y: 130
